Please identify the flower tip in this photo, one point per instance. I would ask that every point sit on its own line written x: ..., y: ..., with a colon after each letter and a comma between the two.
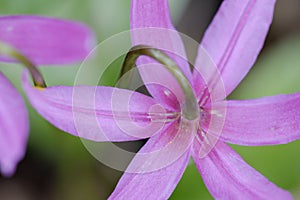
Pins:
x: 91, y: 42
x: 7, y: 168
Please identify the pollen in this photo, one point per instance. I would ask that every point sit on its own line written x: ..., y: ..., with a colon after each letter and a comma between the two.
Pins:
x: 39, y: 88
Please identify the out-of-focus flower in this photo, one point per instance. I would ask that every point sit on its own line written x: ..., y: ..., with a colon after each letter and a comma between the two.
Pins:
x: 43, y: 41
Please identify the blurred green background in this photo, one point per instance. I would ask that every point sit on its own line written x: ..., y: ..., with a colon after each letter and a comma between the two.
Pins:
x: 57, y: 165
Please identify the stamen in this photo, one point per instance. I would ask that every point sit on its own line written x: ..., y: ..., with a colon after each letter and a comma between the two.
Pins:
x: 202, y: 138
x: 203, y: 100
x: 198, y: 138
x: 167, y: 92
x: 9, y: 51
x: 215, y: 112
x: 190, y: 108
x: 203, y: 134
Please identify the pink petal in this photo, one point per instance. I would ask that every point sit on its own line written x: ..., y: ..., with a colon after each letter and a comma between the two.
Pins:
x: 151, y: 25
x: 99, y: 113
x: 265, y: 121
x: 14, y: 127
x: 46, y: 40
x: 208, y: 84
x: 236, y: 36
x: 228, y: 176
x: 159, y: 182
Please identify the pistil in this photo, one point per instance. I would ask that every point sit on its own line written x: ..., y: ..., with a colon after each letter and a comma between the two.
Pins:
x: 7, y: 50
x: 190, y: 108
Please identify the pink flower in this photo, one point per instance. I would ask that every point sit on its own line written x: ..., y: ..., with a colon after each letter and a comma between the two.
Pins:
x: 232, y: 43
x: 44, y: 41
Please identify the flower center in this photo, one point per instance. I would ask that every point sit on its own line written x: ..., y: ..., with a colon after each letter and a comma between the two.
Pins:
x: 190, y: 108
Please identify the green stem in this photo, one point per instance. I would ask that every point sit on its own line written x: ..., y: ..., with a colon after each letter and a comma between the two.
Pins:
x: 190, y: 108
x: 8, y: 51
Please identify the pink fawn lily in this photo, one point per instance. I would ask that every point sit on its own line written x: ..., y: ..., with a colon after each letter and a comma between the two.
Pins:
x: 44, y: 41
x: 233, y: 41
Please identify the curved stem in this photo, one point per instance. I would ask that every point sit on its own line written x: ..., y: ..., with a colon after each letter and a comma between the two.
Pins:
x: 190, y: 108
x: 8, y: 51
